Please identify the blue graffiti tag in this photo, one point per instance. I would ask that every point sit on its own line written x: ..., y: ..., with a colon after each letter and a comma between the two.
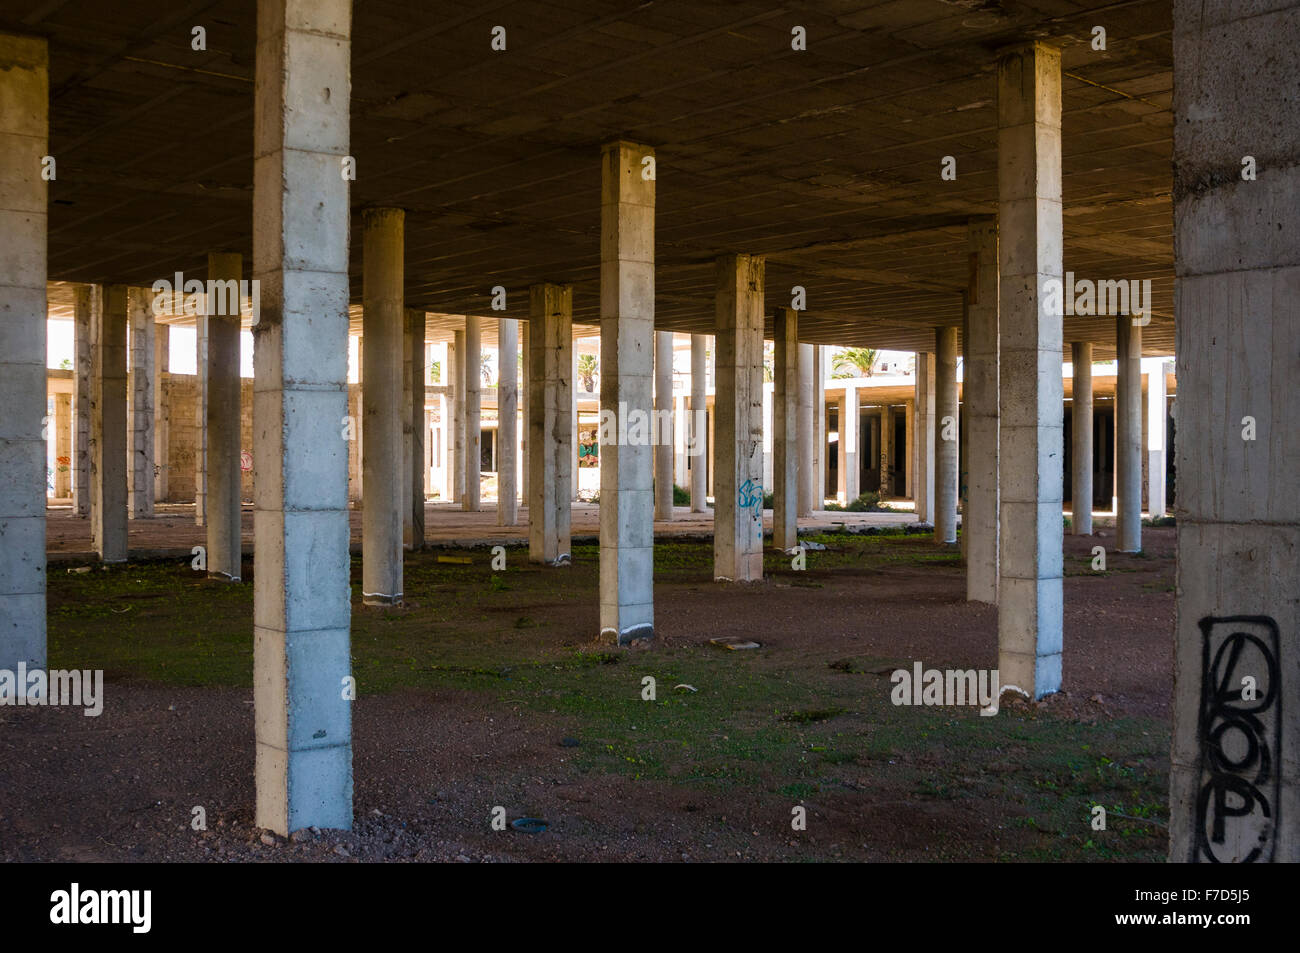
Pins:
x: 751, y: 495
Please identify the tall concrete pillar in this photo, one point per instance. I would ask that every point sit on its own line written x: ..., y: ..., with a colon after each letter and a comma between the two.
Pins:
x: 383, y: 462
x: 24, y: 137
x: 140, y: 408
x: 886, y: 462
x: 1128, y: 434
x: 627, y: 310
x: 924, y: 437
x: 62, y: 445
x: 820, y: 464
x: 945, y: 435
x: 909, y: 449
x: 680, y: 476
x: 1081, y: 440
x: 507, y: 421
x: 1157, y: 415
x: 979, y: 518
x: 525, y: 396
x: 697, y: 426
x: 457, y: 359
x: 355, y: 415
x: 573, y: 407
x: 738, y: 453
x: 663, y: 432
x: 301, y: 602
x: 806, y: 465
x: 87, y: 300
x: 473, y: 413
x: 224, y: 417
x: 1032, y: 391
x: 414, y: 430
x: 1235, y: 762
x: 200, y: 417
x: 786, y: 442
x: 161, y: 411
x: 108, y: 456
x: 550, y: 423
x: 850, y: 430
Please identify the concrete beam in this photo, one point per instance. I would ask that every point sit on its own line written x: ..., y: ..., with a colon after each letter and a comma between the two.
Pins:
x: 627, y: 286
x: 738, y: 452
x: 24, y: 138
x: 301, y: 602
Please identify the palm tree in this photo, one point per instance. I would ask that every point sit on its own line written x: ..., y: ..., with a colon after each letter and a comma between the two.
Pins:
x: 854, y: 362
x: 587, y: 368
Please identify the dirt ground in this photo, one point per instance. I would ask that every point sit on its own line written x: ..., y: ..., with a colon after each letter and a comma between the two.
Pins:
x: 488, y: 690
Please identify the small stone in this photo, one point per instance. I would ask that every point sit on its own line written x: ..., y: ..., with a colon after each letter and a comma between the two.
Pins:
x: 299, y: 836
x: 341, y: 850
x: 269, y: 840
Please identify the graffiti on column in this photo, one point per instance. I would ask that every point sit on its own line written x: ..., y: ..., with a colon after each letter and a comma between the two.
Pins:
x: 750, y: 496
x: 1239, y: 733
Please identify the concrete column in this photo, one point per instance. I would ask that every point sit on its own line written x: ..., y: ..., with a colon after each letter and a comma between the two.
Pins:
x: 980, y: 380
x: 1157, y: 415
x: 820, y: 465
x: 140, y: 406
x: 507, y: 421
x: 663, y: 431
x: 550, y: 423
x: 924, y: 437
x: 573, y: 376
x: 769, y: 480
x: 738, y: 453
x: 161, y: 410
x: 945, y: 435
x: 301, y: 603
x: 680, y: 427
x: 108, y: 454
x: 354, y: 412
x: 786, y: 438
x: 224, y: 418
x: 382, y: 462
x: 200, y: 418
x: 627, y: 303
x: 697, y: 424
x: 525, y: 395
x: 24, y: 137
x: 414, y: 430
x: 1235, y: 762
x: 1081, y: 440
x: 806, y: 466
x: 1032, y: 392
x: 909, y: 449
x: 86, y: 303
x: 1128, y: 434
x: 886, y: 451
x: 62, y: 445
x: 471, y: 501
x: 850, y: 428
x: 457, y: 359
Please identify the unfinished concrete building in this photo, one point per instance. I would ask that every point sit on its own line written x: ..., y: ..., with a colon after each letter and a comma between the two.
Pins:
x: 1011, y: 186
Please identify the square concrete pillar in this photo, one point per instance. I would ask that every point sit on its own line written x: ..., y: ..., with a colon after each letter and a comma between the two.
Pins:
x: 507, y: 421
x: 161, y: 410
x: 414, y: 430
x: 140, y: 406
x: 909, y: 448
x: 201, y: 418
x: 456, y: 357
x: 850, y: 432
x: 821, y: 466
x: 886, y: 447
x: 550, y: 423
x: 108, y: 443
x: 525, y: 396
x: 698, y: 424
x: 1235, y: 763
x: 663, y: 428
x: 573, y: 407
x: 62, y: 446
x: 786, y: 404
x: 807, y: 460
x: 627, y: 303
x: 383, y: 462
x: 224, y: 416
x: 1031, y: 387
x: 24, y: 137
x: 1081, y: 423
x: 946, y: 435
x: 1157, y: 417
x: 1128, y: 433
x: 302, y: 600
x: 680, y: 447
x: 738, y: 452
x: 87, y: 300
x: 924, y: 436
x: 473, y: 413
x: 979, y: 518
